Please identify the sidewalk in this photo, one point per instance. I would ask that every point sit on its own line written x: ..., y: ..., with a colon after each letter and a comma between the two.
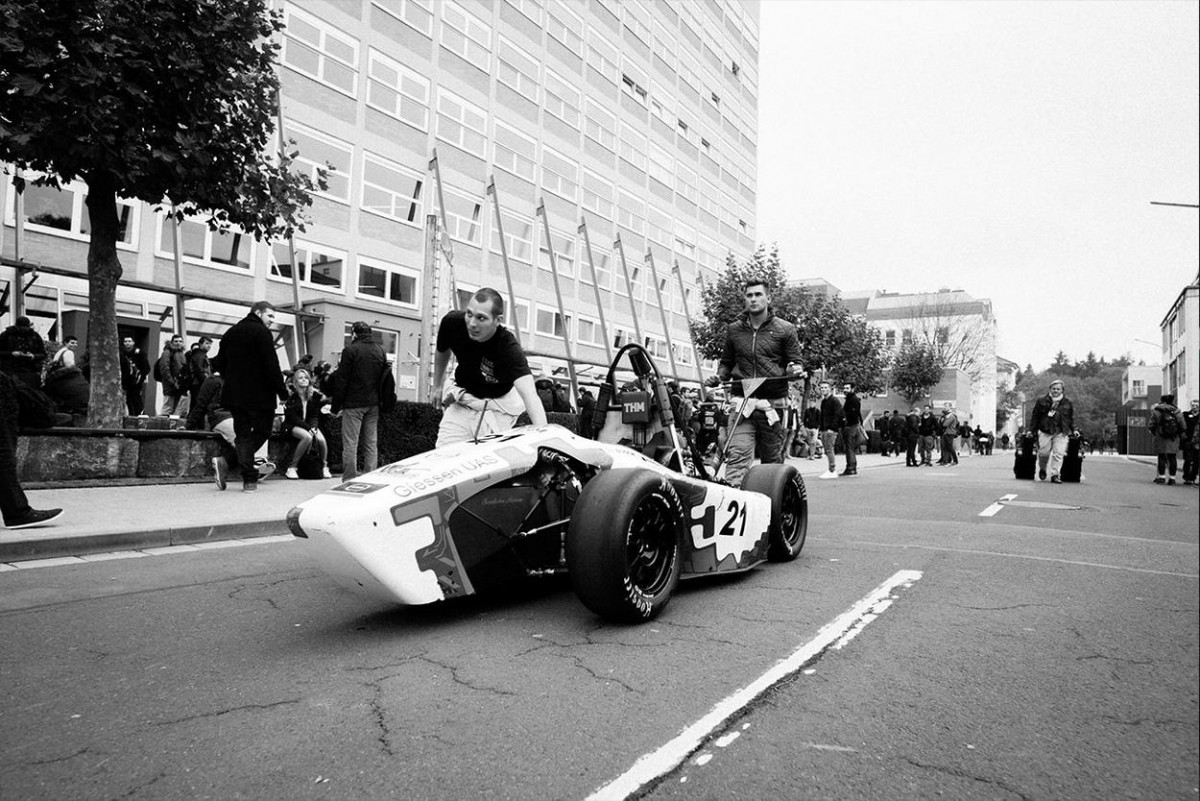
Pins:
x: 105, y: 519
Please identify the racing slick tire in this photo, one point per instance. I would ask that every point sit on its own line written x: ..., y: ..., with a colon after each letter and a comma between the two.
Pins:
x: 624, y: 551
x: 784, y: 485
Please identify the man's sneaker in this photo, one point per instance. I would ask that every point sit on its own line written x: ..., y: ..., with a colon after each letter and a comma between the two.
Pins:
x: 249, y: 486
x: 265, y: 469
x: 1170, y: 482
x: 325, y: 473
x: 291, y: 473
x: 849, y: 472
x: 829, y: 474
x: 35, y: 517
x: 1055, y: 480
x: 1042, y: 474
x: 1160, y: 480
x: 220, y: 471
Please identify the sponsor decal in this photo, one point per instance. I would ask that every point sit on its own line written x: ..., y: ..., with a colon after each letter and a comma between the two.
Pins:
x: 434, y: 479
x: 357, y: 488
x: 726, y: 523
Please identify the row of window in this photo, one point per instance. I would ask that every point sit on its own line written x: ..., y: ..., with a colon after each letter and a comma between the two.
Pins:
x: 394, y: 191
x: 64, y: 212
x: 325, y: 54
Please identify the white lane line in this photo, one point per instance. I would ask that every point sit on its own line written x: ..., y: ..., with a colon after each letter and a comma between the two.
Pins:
x: 672, y: 754
x: 996, y: 507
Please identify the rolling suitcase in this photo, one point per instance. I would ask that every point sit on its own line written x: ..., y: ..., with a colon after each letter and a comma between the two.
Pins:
x: 1025, y: 462
x: 1072, y: 466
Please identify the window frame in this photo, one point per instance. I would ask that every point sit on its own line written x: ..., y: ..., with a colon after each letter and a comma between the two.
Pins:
x: 206, y: 260
x: 466, y: 106
x: 291, y: 126
x: 474, y: 31
x: 309, y: 247
x: 502, y: 42
x: 325, y: 32
x: 402, y: 72
x: 532, y: 160
x: 388, y: 268
x: 78, y: 191
x: 553, y: 100
x: 416, y: 200
x: 400, y: 9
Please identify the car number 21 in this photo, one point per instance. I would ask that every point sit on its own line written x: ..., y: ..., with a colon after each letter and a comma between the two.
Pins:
x: 734, y: 524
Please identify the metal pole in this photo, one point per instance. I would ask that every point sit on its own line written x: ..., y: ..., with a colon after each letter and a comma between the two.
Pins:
x: 637, y: 327
x: 180, y: 319
x: 298, y: 336
x: 512, y: 298
x: 691, y: 335
x: 18, y: 293
x: 429, y: 315
x: 662, y: 310
x: 566, y: 336
x: 587, y: 245
x: 447, y: 247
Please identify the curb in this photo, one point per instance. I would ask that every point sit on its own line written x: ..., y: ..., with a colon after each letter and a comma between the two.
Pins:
x: 49, y: 547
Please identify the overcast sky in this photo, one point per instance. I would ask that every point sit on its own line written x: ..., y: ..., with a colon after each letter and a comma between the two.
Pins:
x: 1010, y: 149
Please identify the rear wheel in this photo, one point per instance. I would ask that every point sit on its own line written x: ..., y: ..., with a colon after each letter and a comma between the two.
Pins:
x: 789, y: 508
x: 623, y: 544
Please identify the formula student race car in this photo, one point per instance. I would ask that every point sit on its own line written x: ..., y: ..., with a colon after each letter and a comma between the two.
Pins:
x: 626, y: 515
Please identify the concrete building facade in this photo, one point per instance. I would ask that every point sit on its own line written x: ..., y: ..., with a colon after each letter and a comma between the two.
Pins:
x: 1181, y: 346
x: 637, y: 118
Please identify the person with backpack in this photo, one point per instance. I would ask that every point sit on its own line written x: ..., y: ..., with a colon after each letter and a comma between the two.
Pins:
x: 1190, y: 442
x: 1167, y: 425
x: 1053, y: 419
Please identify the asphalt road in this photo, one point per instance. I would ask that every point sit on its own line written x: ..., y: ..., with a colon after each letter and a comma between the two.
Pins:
x: 1043, y: 652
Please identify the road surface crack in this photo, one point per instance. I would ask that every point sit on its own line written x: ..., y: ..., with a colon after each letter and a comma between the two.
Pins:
x: 220, y: 712
x: 964, y: 775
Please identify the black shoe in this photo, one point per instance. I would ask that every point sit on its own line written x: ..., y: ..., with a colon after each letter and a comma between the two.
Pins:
x: 848, y: 472
x: 249, y: 486
x: 1170, y: 482
x: 34, y: 517
x: 1055, y: 480
x: 1160, y: 480
x: 1042, y: 474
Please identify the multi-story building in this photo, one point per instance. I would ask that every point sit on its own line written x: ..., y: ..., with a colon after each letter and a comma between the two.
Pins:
x: 638, y: 119
x: 961, y: 326
x: 1181, y: 346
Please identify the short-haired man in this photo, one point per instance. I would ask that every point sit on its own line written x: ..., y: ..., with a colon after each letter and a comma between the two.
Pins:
x: 492, y: 381
x: 928, y: 430
x: 199, y: 370
x: 171, y: 372
x: 134, y: 369
x: 1053, y: 418
x: 949, y: 425
x: 356, y: 397
x: 832, y: 419
x: 757, y: 345
x: 851, y: 428
x: 253, y: 381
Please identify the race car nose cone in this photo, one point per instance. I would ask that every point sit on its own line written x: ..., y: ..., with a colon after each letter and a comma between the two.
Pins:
x: 293, y: 522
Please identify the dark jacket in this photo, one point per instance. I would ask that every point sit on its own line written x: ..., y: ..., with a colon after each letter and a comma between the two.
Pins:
x: 764, y: 351
x: 853, y: 410
x: 1062, y: 422
x: 207, y: 411
x: 898, y: 427
x: 69, y: 390
x: 1158, y: 415
x: 300, y: 415
x: 356, y: 384
x: 171, y: 371
x: 248, y: 363
x: 811, y: 417
x: 929, y: 425
x: 912, y: 425
x: 832, y: 416
x: 198, y: 368
x: 22, y: 339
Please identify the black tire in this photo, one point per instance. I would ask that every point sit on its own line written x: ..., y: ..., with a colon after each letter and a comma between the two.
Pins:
x: 623, y: 545
x: 789, y: 508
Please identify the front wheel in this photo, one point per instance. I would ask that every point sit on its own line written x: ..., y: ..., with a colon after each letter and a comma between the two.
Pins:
x: 789, y: 508
x: 623, y: 544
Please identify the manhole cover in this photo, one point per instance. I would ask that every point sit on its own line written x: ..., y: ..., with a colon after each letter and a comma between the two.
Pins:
x: 1042, y: 505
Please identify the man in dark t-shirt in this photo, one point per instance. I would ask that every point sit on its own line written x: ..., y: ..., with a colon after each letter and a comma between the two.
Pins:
x: 492, y: 383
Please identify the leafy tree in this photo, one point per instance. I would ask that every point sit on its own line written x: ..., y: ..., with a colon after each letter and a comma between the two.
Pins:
x: 917, y: 368
x: 166, y: 102
x: 831, y: 339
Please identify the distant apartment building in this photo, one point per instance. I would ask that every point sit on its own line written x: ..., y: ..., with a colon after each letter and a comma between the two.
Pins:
x: 637, y: 119
x: 1181, y: 346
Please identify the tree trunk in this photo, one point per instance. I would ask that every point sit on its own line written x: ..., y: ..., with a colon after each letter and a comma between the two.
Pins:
x: 107, y: 405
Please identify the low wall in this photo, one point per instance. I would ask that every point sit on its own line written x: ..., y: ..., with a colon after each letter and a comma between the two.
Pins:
x: 154, y: 448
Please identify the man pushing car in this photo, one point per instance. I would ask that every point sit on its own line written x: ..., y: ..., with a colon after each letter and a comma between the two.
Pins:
x: 492, y: 382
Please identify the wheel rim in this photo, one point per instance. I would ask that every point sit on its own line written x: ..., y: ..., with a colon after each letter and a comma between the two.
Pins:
x: 651, y: 546
x: 792, y: 515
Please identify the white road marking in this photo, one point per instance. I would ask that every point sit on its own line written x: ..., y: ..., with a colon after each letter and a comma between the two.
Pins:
x: 668, y: 757
x: 996, y: 507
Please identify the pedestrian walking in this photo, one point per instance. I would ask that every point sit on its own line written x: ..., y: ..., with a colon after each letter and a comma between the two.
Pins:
x: 253, y: 382
x: 1053, y: 419
x: 832, y: 419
